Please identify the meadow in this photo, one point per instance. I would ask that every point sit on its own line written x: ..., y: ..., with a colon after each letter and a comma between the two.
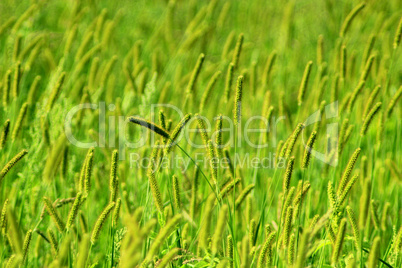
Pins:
x: 172, y: 133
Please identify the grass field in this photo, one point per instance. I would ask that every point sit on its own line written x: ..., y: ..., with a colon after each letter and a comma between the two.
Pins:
x: 200, y: 133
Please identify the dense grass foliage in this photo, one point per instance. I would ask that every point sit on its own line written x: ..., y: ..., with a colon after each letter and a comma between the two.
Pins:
x: 200, y: 133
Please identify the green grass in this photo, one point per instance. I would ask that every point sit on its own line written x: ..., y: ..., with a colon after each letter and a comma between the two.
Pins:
x: 124, y: 58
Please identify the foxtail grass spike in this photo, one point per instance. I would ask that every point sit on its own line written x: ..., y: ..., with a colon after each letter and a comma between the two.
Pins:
x: 56, y: 91
x: 354, y: 95
x: 83, y: 46
x: 347, y: 189
x: 252, y: 232
x: 308, y: 149
x: 3, y: 218
x: 54, y: 215
x: 320, y: 49
x: 265, y: 251
x: 206, y: 224
x: 17, y: 79
x: 369, y: 118
x: 371, y: 99
x: 150, y: 125
x: 176, y: 132
x: 227, y: 188
x: 339, y: 242
x: 301, y: 193
x: 238, y: 100
x: 393, y: 101
x: 19, y: 122
x: 93, y: 70
x: 88, y: 170
x: 218, y: 138
x: 113, y: 181
x: 293, y: 139
x: 288, y: 202
x: 116, y: 213
x: 6, y: 87
x: 100, y: 222
x: 364, y: 204
x: 349, y: 18
x: 53, y: 241
x: 176, y: 192
x: 162, y: 236
x: 208, y: 89
x: 195, y: 74
x: 202, y: 128
x: 291, y: 250
x: 220, y: 226
x: 12, y: 163
x: 228, y: 81
x: 374, y: 253
x: 25, y: 247
x: 229, y: 250
x: 367, y: 68
x: 355, y: 227
x: 368, y: 49
x: 7, y: 24
x: 348, y: 171
x: 303, y: 249
x: 153, y: 184
x: 162, y: 119
x: 213, y: 162
x: 83, y: 251
x: 194, y: 191
x: 287, y: 226
x: 74, y: 211
x: 343, y: 69
x: 70, y: 39
x: 374, y: 214
x: 304, y: 82
x: 243, y: 195
x: 168, y: 257
x: 398, y: 35
x: 268, y: 67
x: 4, y: 133
x: 384, y: 216
x: 237, y: 51
x: 333, y: 201
x: 288, y: 176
